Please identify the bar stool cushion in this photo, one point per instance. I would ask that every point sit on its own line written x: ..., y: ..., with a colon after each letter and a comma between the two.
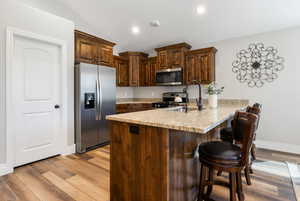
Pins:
x: 220, y: 151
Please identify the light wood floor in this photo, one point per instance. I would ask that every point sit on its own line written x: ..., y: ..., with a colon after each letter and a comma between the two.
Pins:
x: 86, y: 178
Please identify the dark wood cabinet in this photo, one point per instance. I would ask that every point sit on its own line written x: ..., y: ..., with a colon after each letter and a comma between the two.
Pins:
x: 150, y: 71
x: 157, y: 164
x: 122, y: 69
x: 137, y: 67
x: 145, y: 75
x: 105, y: 53
x: 200, y: 66
x: 162, y: 59
x: 93, y: 50
x: 190, y: 70
x: 176, y: 57
x: 133, y: 107
x: 139, y: 163
x: 85, y: 50
x: 143, y: 71
x: 172, y: 56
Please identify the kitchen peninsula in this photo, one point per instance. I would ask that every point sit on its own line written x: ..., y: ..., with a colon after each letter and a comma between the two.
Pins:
x: 152, y: 152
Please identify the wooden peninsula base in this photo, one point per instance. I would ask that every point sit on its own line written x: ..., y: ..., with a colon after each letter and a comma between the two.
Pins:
x: 154, y: 164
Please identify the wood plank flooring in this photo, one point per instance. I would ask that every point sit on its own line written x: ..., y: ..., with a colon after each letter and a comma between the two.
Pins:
x: 265, y: 154
x: 85, y: 177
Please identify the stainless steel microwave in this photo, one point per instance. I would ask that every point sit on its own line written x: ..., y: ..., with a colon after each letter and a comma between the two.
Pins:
x: 169, y: 77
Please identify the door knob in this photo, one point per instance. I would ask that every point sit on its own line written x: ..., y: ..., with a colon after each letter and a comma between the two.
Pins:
x: 56, y: 106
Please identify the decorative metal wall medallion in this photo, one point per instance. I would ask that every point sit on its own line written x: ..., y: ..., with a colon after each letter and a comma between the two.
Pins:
x: 257, y: 65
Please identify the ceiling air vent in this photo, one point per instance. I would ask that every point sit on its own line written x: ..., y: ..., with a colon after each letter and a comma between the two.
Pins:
x: 155, y: 23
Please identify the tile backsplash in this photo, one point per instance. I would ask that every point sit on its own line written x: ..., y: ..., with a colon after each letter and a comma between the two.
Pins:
x: 155, y: 92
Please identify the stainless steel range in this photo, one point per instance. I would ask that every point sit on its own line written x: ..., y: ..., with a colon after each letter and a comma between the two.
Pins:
x: 170, y: 99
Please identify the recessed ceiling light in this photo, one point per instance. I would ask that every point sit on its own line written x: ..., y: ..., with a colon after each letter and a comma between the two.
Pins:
x: 201, y: 9
x: 135, y: 30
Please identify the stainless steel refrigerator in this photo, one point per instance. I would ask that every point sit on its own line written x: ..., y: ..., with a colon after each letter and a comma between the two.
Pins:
x: 95, y: 97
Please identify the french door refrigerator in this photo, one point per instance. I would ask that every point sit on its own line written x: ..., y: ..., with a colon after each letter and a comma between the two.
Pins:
x: 95, y: 97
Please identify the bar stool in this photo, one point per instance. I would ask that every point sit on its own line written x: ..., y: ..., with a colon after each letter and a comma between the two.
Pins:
x: 227, y: 157
x: 227, y: 136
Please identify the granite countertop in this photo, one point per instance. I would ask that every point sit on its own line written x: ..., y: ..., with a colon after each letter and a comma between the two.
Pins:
x: 192, y: 121
x: 137, y: 100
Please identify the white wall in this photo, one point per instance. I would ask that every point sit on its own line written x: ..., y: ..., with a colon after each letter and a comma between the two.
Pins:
x: 17, y: 15
x: 280, y: 99
x: 58, y: 7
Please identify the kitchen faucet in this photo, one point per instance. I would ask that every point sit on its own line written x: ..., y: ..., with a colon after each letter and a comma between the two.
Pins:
x: 185, y: 90
x: 199, y: 100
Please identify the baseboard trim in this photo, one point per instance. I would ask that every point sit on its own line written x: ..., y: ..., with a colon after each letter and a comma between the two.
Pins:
x: 277, y: 146
x: 4, y: 169
x: 69, y: 150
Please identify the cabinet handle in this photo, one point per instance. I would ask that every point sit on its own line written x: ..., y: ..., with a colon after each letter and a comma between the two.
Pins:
x: 134, y: 130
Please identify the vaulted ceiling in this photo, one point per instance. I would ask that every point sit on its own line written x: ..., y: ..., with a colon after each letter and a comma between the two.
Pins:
x: 224, y: 19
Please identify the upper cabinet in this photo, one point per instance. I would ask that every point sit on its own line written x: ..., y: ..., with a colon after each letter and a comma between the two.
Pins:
x: 93, y: 50
x: 85, y: 50
x: 105, y: 55
x: 200, y: 66
x: 137, y: 62
x: 172, y: 56
x: 150, y: 71
x: 162, y: 59
x: 122, y: 70
x: 136, y: 69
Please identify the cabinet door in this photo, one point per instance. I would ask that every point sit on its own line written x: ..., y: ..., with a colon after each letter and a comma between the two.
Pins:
x: 105, y: 55
x: 139, y: 161
x: 85, y: 50
x: 134, y: 71
x: 191, y: 71
x: 206, y: 73
x: 163, y: 59
x: 150, y: 71
x: 142, y: 72
x: 175, y: 58
x: 200, y: 67
x: 148, y: 74
x: 153, y: 68
x: 122, y: 72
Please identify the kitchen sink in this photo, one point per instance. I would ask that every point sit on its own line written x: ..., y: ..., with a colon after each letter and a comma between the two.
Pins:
x: 182, y: 109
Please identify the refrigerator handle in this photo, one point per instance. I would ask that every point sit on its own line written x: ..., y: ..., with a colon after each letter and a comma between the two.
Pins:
x: 100, y: 99
x: 97, y: 100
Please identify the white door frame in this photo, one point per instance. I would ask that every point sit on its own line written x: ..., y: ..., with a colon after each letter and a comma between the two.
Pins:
x: 10, y: 136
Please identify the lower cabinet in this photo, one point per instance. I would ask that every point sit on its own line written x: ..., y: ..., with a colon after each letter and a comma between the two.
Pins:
x: 133, y: 107
x: 139, y: 163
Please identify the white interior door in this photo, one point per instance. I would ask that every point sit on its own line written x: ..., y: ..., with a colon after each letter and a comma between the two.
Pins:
x: 35, y: 91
